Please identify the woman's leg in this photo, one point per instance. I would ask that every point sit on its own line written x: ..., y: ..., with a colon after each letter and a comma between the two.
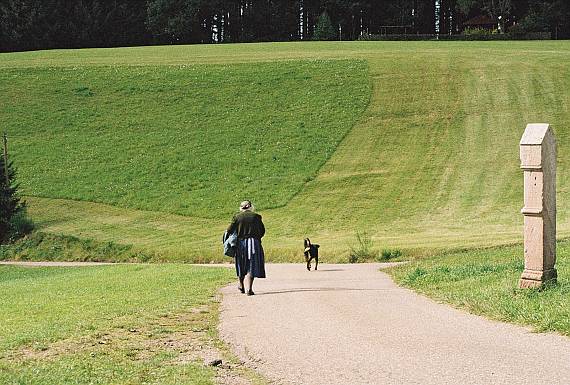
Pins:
x: 249, y: 284
x: 239, y: 262
x: 240, y: 285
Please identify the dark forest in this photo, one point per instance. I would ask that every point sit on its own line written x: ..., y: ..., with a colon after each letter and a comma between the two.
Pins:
x: 45, y: 24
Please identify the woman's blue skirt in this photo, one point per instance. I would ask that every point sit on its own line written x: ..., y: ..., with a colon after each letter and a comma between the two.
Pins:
x: 250, y: 258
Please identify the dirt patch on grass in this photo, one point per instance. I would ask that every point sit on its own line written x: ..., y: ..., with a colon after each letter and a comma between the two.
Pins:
x: 188, y: 337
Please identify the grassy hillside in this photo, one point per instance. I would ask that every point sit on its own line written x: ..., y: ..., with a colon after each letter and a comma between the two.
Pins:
x: 189, y: 140
x: 415, y: 143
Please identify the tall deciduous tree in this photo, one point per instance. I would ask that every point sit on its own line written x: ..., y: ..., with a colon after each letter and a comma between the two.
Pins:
x: 500, y: 10
x: 175, y: 21
x: 40, y: 24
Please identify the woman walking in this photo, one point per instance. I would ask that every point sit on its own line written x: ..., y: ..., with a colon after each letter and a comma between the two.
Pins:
x: 249, y: 258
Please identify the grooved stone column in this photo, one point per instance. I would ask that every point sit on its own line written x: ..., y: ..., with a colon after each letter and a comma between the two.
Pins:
x: 538, y: 160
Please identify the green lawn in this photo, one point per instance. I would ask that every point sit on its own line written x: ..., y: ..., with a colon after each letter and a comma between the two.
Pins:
x: 190, y: 140
x: 103, y: 325
x: 415, y: 143
x: 484, y: 281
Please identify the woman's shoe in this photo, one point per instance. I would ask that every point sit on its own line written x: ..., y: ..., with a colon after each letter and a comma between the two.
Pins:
x: 250, y: 292
x: 241, y: 289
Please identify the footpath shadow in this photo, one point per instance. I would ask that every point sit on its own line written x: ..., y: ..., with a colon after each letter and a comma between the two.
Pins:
x: 307, y: 290
x: 323, y: 270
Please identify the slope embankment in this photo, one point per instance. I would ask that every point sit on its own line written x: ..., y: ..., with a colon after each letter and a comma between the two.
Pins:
x: 429, y: 157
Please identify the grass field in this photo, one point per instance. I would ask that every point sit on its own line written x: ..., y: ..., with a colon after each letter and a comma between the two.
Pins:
x: 484, y: 282
x: 415, y: 143
x: 109, y: 325
x: 189, y: 140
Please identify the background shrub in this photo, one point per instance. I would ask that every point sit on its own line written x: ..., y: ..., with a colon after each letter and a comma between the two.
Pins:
x: 20, y: 225
x: 388, y: 254
x: 363, y: 250
x: 479, y: 32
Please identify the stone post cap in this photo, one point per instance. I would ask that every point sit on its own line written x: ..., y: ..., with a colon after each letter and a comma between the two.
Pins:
x: 536, y: 136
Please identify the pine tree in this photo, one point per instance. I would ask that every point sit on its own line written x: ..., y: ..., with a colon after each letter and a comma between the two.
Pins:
x: 12, y: 208
x: 324, y: 29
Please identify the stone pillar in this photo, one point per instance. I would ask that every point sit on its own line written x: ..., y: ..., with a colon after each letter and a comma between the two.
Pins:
x: 538, y: 160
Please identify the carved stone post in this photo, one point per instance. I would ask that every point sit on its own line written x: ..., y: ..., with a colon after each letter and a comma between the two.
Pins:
x: 538, y: 160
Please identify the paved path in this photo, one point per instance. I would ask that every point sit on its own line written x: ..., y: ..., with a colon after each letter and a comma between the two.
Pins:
x: 350, y: 324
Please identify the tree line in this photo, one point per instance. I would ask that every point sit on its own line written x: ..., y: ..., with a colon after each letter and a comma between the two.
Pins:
x: 41, y: 24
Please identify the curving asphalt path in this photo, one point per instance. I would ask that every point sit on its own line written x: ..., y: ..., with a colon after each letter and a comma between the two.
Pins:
x: 350, y: 324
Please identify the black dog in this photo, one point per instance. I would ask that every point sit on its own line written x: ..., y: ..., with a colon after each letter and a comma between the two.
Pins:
x: 311, y: 252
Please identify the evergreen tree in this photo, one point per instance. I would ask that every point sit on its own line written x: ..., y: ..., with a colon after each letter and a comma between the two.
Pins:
x: 12, y: 208
x: 324, y: 29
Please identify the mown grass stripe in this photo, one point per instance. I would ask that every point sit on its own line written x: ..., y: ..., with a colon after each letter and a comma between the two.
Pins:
x: 432, y: 162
